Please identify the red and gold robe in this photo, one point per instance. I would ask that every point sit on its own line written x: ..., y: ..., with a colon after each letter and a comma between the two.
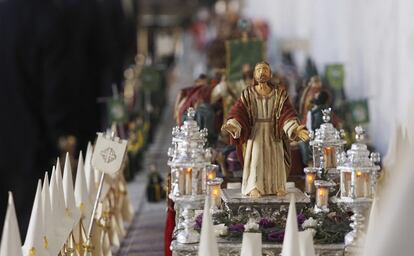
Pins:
x: 265, y: 126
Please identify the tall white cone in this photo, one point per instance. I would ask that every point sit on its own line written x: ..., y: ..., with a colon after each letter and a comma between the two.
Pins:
x: 306, y: 243
x: 35, y: 233
x: 90, y: 174
x: 291, y: 240
x: 59, y: 178
x: 208, y: 243
x: 68, y: 191
x: 48, y: 221
x: 81, y: 193
x: 57, y: 200
x: 63, y: 222
x: 251, y: 244
x: 10, y: 239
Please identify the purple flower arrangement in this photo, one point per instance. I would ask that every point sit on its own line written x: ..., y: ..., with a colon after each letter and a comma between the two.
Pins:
x: 273, y: 229
x: 266, y: 223
x: 301, y: 218
x: 236, y: 228
x: 198, y: 222
x: 276, y: 236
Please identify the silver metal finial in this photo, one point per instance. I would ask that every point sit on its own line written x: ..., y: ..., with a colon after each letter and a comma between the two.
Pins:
x: 326, y: 115
x: 375, y: 157
x: 360, y: 132
x: 191, y: 114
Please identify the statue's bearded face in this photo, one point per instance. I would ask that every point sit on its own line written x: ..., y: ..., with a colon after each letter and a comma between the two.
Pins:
x: 262, y: 73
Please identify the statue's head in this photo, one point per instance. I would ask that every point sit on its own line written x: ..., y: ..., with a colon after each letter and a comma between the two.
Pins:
x: 315, y: 81
x: 262, y: 72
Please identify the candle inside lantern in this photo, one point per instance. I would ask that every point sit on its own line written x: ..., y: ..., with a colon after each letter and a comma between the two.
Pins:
x: 188, y: 183
x: 322, y: 195
x: 361, y: 184
x: 211, y: 174
x: 329, y: 157
x: 215, y: 196
x: 214, y: 189
x: 310, y: 179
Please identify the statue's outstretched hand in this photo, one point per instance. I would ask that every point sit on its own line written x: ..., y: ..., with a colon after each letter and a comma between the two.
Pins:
x: 302, y: 133
x: 230, y: 129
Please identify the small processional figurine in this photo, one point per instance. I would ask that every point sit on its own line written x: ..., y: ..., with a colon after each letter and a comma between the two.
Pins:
x: 264, y: 120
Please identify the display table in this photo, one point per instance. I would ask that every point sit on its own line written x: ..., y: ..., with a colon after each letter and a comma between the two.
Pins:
x: 235, y: 201
x: 233, y: 248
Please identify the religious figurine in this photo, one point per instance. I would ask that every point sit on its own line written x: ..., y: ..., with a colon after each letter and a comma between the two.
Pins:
x: 192, y: 97
x: 314, y: 87
x: 264, y: 119
x: 155, y: 189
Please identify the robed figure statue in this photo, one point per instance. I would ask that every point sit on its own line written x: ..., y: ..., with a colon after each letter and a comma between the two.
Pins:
x: 262, y: 123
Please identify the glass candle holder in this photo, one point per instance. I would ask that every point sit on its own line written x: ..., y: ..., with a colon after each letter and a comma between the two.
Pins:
x: 214, y: 192
x: 322, y: 195
x: 211, y: 173
x: 310, y: 179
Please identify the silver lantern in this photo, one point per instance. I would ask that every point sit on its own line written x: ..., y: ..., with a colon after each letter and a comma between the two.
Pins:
x: 189, y: 161
x: 327, y: 146
x: 359, y: 171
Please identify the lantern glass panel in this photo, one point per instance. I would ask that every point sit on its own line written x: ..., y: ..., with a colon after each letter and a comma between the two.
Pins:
x: 329, y: 157
x: 346, y: 181
x: 322, y: 197
x: 362, y: 184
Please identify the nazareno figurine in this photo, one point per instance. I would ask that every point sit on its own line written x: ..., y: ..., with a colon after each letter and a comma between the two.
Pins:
x: 264, y: 120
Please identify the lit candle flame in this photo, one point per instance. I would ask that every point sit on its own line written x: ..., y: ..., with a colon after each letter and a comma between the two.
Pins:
x: 216, y: 191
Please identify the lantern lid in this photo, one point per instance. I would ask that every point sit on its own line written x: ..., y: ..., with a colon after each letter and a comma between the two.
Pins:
x: 215, y: 181
x: 324, y: 183
x: 326, y: 135
x: 311, y: 169
x: 358, y: 157
x: 188, y: 144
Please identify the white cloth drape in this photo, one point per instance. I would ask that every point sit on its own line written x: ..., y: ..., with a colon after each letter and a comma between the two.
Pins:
x: 373, y: 38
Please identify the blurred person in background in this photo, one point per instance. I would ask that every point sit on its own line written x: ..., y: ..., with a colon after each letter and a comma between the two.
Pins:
x: 56, y: 59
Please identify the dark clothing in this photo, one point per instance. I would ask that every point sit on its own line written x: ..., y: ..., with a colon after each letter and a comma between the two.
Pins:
x: 31, y: 102
x: 56, y: 58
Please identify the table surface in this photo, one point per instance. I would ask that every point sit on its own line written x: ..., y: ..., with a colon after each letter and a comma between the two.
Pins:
x: 269, y: 249
x: 234, y: 196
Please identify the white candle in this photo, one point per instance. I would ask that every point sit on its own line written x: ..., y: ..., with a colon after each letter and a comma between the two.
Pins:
x: 309, y: 185
x: 188, y: 183
x: 215, y: 196
x: 322, y: 197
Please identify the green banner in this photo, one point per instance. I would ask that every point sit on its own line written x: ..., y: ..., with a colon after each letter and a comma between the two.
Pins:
x: 241, y: 52
x: 117, y: 111
x: 358, y: 112
x: 151, y: 79
x: 335, y: 75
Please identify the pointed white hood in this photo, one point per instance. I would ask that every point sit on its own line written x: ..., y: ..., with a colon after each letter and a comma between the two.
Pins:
x: 35, y: 232
x: 10, y: 239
